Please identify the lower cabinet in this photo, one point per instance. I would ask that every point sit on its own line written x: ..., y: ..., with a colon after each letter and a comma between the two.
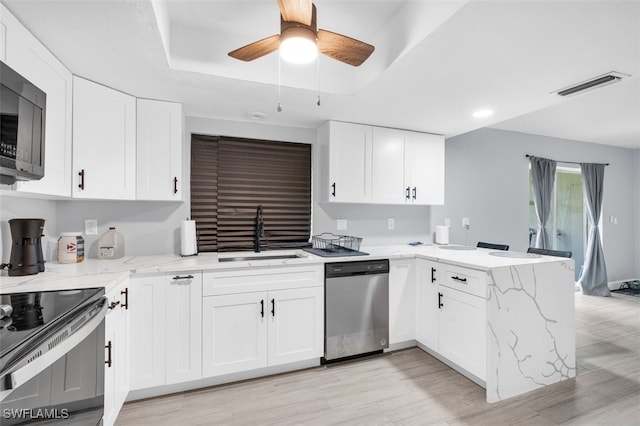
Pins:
x: 428, y: 303
x: 259, y: 329
x: 402, y: 301
x: 116, y: 339
x: 166, y: 329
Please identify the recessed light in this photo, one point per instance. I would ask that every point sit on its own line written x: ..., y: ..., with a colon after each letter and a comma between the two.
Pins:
x: 256, y: 115
x: 482, y: 113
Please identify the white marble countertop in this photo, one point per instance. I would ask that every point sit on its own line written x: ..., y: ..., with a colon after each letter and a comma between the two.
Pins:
x: 109, y: 273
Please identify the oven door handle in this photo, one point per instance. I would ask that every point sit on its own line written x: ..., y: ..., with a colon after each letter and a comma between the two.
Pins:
x: 25, y: 373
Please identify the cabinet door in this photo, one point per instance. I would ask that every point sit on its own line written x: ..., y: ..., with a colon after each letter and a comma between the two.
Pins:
x: 349, y: 162
x: 35, y: 393
x: 148, y: 315
x: 74, y: 375
x: 402, y: 301
x: 428, y: 312
x: 26, y: 55
x: 462, y: 330
x: 113, y: 324
x: 425, y: 167
x: 183, y: 328
x: 104, y: 142
x: 234, y: 333
x: 387, y: 169
x: 296, y: 325
x: 159, y: 150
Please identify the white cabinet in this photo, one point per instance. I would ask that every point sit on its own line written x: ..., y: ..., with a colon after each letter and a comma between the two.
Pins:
x: 104, y: 142
x: 369, y: 164
x: 26, y: 55
x: 116, y: 345
x: 428, y: 302
x: 159, y: 150
x: 402, y: 301
x: 74, y: 375
x: 349, y: 162
x: 166, y: 329
x: 424, y: 168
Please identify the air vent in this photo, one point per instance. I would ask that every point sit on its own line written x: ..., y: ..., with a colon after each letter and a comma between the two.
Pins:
x: 593, y: 83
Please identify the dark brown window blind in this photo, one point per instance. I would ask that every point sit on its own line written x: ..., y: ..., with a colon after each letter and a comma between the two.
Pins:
x: 231, y: 177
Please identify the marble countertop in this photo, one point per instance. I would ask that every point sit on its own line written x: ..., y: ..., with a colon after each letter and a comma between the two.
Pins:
x: 109, y: 273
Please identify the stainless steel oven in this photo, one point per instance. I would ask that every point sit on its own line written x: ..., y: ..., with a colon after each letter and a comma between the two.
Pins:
x: 52, y: 357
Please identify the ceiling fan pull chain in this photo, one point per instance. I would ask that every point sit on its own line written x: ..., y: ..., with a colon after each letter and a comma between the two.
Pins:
x: 318, y: 70
x: 279, y: 107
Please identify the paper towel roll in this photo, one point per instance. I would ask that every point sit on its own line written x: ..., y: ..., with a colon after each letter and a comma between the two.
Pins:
x: 188, y: 243
x: 442, y: 234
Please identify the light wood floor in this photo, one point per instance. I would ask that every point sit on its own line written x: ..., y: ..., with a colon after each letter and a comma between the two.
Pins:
x: 411, y: 388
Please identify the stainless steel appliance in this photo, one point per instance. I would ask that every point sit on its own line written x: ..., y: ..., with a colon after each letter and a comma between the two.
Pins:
x: 22, y: 127
x: 26, y: 247
x: 356, y: 308
x: 52, y: 357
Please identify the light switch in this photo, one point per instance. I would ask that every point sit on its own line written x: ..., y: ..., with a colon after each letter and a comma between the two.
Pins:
x: 391, y: 224
x: 341, y: 224
x: 447, y: 222
x: 466, y: 222
x: 91, y: 227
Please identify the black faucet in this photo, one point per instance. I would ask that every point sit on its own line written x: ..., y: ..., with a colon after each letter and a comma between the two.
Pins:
x: 259, y: 230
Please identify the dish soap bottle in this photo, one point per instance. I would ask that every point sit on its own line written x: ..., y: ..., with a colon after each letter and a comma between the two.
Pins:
x: 111, y: 245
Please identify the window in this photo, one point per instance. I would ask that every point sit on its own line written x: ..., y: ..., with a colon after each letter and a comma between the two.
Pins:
x: 231, y: 177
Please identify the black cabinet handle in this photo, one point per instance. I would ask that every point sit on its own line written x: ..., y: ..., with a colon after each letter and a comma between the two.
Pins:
x: 333, y: 189
x: 457, y: 278
x: 183, y: 277
x: 415, y: 192
x: 81, y: 184
x: 125, y: 293
x: 440, y: 305
x: 175, y: 185
x: 407, y: 193
x: 262, y: 308
x: 433, y: 275
x: 273, y: 307
x: 109, y: 361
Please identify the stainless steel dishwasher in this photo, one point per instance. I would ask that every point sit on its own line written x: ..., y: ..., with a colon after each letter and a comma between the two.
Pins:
x: 356, y: 308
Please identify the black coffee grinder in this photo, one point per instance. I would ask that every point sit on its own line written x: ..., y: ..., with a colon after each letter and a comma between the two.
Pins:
x: 26, y: 247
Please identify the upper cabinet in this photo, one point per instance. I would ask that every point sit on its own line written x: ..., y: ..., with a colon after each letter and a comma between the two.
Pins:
x: 104, y: 142
x: 159, y: 150
x: 378, y: 165
x: 26, y: 55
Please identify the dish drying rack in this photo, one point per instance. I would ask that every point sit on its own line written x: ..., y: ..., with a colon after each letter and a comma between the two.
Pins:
x: 335, y: 243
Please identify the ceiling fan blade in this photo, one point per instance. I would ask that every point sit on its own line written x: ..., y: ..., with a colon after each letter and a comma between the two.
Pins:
x: 257, y: 49
x: 296, y: 10
x: 342, y: 48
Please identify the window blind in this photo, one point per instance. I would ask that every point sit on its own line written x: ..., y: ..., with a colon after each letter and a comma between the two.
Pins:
x: 231, y: 177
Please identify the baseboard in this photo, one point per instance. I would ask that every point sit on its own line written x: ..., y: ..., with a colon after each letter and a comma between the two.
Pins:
x: 614, y: 285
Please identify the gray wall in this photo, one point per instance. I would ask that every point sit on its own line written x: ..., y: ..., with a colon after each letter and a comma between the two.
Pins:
x: 487, y: 181
x: 636, y: 210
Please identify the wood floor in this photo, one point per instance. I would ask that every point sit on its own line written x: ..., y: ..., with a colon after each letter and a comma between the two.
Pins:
x: 411, y: 388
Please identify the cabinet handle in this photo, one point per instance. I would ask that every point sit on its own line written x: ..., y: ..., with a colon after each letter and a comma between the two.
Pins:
x: 433, y: 275
x: 407, y: 193
x: 108, y: 347
x: 81, y: 184
x: 333, y: 189
x: 183, y: 277
x: 415, y: 192
x: 273, y: 307
x: 457, y: 278
x: 440, y: 305
x: 114, y: 304
x: 262, y: 308
x: 175, y: 185
x: 125, y: 293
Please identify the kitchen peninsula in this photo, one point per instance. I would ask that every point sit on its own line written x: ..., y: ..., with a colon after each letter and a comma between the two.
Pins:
x: 503, y: 319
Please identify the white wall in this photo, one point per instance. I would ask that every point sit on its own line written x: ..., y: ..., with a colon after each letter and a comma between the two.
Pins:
x: 636, y: 210
x: 487, y: 181
x: 14, y: 207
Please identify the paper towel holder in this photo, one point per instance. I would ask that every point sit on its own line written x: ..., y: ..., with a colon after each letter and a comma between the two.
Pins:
x: 196, y: 240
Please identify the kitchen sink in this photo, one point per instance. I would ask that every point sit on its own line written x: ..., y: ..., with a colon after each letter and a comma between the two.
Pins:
x: 265, y: 257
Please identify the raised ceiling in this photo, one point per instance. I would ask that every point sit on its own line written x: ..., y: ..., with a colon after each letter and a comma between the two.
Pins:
x: 434, y: 64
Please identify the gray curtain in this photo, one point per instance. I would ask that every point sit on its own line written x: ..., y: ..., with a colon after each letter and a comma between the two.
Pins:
x: 543, y: 174
x: 593, y: 279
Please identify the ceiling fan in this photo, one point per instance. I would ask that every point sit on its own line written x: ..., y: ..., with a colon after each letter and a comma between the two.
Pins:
x: 298, y: 29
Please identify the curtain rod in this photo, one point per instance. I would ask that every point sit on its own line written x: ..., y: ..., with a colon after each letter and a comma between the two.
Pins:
x: 570, y: 162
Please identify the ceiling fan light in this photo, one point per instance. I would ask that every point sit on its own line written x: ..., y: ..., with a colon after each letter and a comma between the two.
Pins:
x: 298, y: 46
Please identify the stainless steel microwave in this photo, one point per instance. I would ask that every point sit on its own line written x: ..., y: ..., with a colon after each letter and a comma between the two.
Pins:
x: 22, y: 127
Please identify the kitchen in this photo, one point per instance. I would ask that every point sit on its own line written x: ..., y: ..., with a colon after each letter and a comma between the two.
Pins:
x: 475, y: 160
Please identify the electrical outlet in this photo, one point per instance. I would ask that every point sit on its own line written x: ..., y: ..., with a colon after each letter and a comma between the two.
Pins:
x: 391, y: 224
x: 341, y: 224
x: 91, y: 226
x: 466, y: 223
x: 447, y: 222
